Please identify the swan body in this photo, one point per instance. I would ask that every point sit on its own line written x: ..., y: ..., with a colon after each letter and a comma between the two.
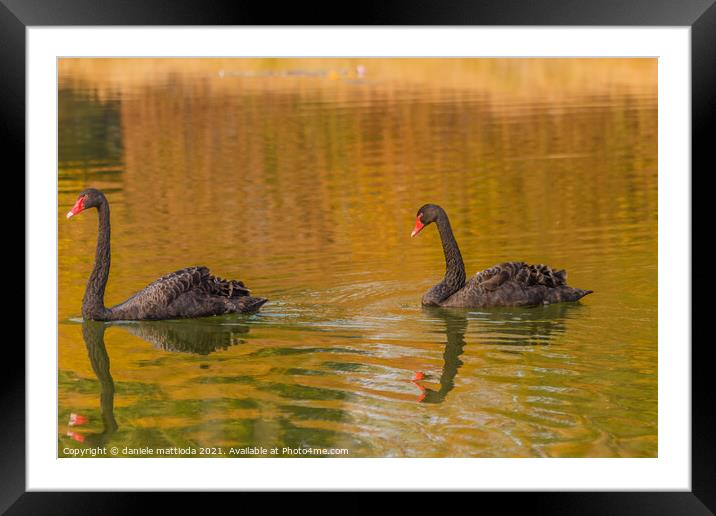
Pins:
x: 190, y: 292
x: 505, y: 284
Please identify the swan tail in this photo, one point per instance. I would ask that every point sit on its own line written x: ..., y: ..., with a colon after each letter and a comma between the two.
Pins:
x: 249, y: 304
x: 575, y: 294
x: 565, y: 293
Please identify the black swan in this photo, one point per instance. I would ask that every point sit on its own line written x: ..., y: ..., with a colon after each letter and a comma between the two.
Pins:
x: 190, y: 292
x: 505, y: 284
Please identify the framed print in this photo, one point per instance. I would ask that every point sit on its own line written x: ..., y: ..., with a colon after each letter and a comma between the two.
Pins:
x: 270, y: 322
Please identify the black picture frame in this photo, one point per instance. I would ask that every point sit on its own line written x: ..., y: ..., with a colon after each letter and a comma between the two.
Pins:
x: 700, y: 15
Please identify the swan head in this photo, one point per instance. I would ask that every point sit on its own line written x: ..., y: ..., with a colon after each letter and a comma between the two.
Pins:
x: 427, y: 214
x: 90, y: 198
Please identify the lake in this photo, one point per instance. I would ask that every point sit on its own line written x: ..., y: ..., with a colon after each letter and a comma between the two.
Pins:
x: 303, y: 178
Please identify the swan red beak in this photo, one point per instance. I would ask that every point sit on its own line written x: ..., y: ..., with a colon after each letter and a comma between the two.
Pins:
x: 418, y: 226
x: 78, y: 207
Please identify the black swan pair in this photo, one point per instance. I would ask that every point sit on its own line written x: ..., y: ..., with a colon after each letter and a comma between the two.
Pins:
x: 190, y: 292
x: 194, y: 292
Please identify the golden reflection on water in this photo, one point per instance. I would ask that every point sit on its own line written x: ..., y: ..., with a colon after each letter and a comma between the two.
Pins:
x: 302, y: 178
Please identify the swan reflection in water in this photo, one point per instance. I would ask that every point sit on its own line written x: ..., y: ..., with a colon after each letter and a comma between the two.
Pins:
x: 515, y: 326
x: 195, y: 336
x: 93, y: 335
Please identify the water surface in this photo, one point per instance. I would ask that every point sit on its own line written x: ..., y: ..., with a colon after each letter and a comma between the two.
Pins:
x: 305, y: 186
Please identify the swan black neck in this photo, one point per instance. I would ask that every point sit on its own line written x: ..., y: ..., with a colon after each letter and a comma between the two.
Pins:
x: 454, y: 266
x: 454, y: 278
x: 93, y: 301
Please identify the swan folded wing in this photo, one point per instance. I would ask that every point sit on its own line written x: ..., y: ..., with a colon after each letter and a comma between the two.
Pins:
x: 166, y: 289
x: 541, y: 274
x: 521, y: 272
x: 225, y: 288
x: 496, y: 275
